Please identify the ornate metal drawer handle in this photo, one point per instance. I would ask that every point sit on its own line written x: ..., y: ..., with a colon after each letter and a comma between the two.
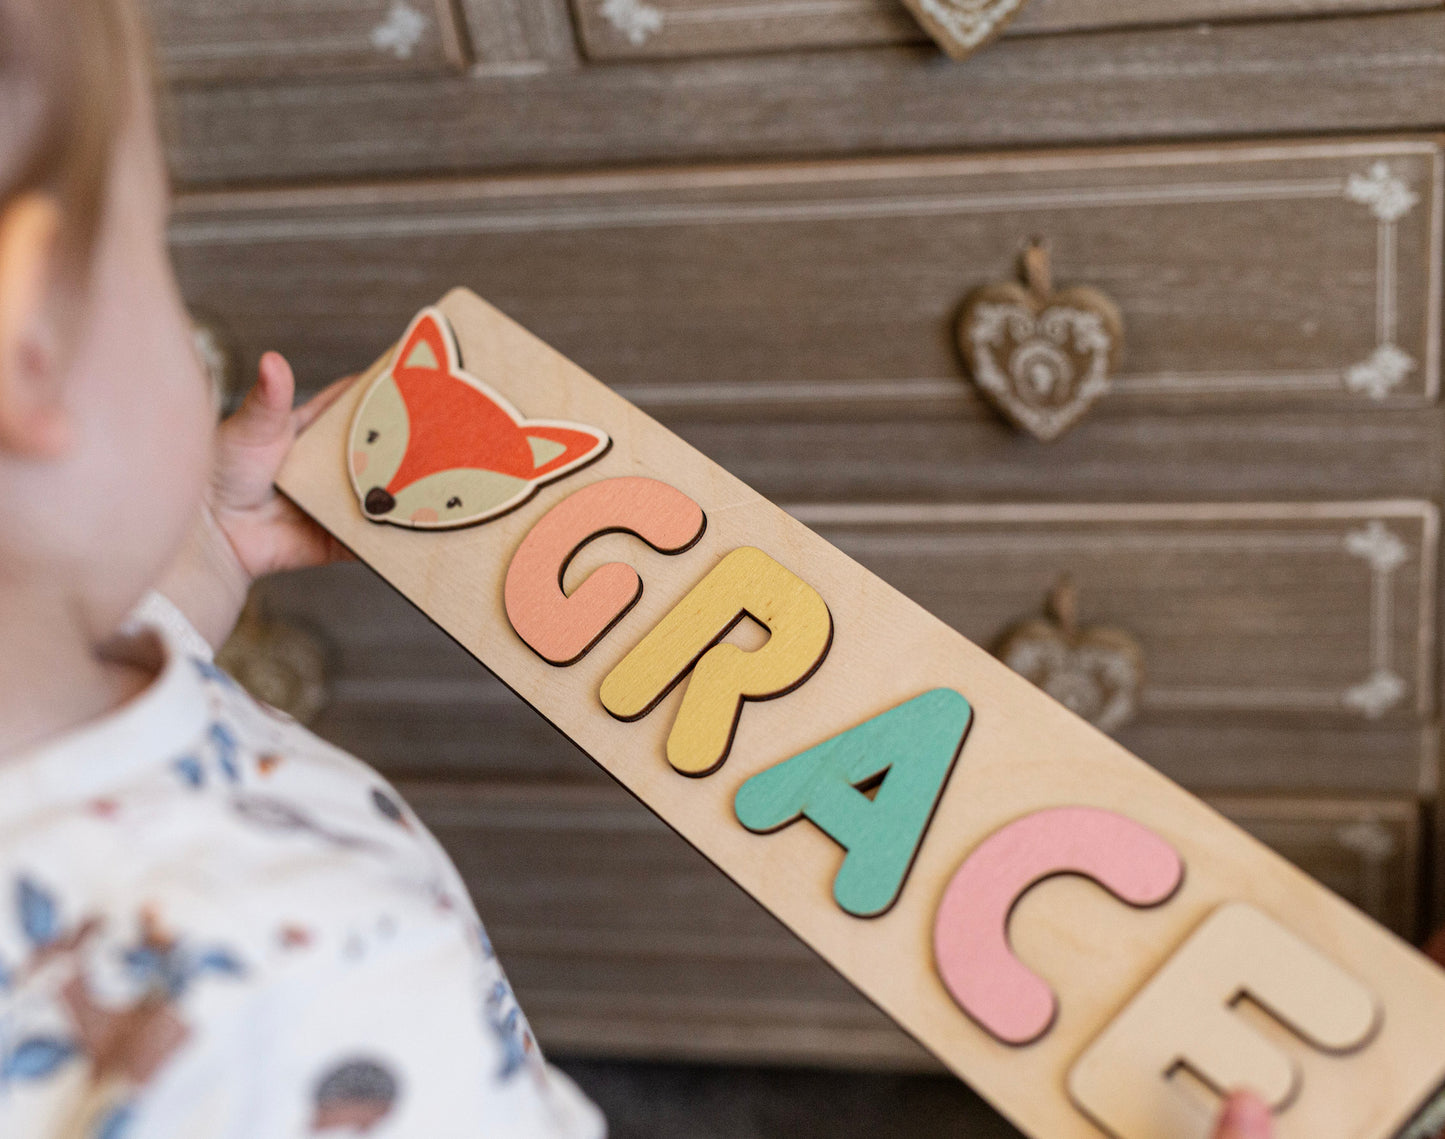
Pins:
x: 1097, y: 672
x: 278, y: 662
x: 1042, y: 358
x: 961, y: 27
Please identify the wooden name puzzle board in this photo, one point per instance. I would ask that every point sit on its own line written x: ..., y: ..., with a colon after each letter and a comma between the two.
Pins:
x: 1089, y: 946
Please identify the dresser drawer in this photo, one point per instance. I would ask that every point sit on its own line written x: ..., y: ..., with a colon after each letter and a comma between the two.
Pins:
x: 1292, y: 276
x: 1284, y: 646
x: 622, y: 940
x: 212, y: 40
x: 639, y: 29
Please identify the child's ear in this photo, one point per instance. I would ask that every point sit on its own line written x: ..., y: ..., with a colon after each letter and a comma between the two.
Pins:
x: 34, y: 422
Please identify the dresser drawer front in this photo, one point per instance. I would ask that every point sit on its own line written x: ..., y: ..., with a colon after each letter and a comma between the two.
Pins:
x: 640, y: 29
x: 1285, y: 646
x: 213, y: 40
x: 1322, y: 609
x: 1286, y: 275
x: 620, y: 939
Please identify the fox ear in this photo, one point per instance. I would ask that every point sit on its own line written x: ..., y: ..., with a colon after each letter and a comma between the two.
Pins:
x: 427, y: 347
x: 556, y: 447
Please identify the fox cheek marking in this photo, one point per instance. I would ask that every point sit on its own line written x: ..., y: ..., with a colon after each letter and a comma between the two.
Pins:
x: 358, y: 462
x: 424, y: 515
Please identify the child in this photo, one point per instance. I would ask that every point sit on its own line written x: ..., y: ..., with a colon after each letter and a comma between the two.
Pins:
x: 211, y: 923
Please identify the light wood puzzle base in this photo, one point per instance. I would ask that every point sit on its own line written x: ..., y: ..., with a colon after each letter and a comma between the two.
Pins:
x: 1023, y: 754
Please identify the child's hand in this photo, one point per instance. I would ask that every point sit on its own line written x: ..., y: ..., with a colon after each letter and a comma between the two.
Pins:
x: 1245, y: 1116
x: 246, y: 528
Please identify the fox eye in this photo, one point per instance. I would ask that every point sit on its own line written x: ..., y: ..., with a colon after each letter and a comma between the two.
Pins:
x: 453, y: 502
x: 373, y: 436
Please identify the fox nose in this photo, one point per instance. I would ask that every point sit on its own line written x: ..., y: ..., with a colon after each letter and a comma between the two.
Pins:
x: 378, y: 502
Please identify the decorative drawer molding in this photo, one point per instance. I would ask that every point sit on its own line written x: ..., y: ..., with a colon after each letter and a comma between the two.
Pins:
x: 1312, y: 609
x: 215, y: 40
x: 621, y: 940
x: 1274, y: 276
x: 640, y: 29
x: 1251, y: 79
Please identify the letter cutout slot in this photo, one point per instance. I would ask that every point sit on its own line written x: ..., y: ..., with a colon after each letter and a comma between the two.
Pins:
x: 1184, y: 1017
x: 912, y: 748
x: 746, y: 583
x: 562, y: 629
x: 970, y: 932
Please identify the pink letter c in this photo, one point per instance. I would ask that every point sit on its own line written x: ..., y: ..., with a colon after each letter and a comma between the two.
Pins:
x: 970, y: 931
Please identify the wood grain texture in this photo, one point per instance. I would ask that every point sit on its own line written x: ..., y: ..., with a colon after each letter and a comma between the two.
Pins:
x: 623, y: 941
x: 515, y: 38
x: 1365, y: 73
x: 653, y: 29
x: 1264, y: 277
x: 213, y: 41
x: 892, y: 649
x: 1219, y: 555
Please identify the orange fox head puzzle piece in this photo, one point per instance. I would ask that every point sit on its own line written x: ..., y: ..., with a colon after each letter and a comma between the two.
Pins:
x: 434, y: 448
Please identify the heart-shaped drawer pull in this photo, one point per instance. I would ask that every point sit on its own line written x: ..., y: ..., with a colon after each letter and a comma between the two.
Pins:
x: 961, y: 27
x: 1043, y: 358
x: 1097, y: 672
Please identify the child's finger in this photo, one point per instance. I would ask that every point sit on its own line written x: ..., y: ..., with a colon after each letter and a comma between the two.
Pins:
x: 265, y: 415
x: 307, y: 414
x: 1245, y: 1116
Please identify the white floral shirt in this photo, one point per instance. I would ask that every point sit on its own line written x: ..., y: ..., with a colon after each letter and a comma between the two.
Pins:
x: 212, y: 924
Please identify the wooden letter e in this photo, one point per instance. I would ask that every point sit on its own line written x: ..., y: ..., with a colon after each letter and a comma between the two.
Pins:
x: 1185, y: 1017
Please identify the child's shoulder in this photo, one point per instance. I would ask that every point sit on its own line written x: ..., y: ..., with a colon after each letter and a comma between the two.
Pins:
x: 243, y: 825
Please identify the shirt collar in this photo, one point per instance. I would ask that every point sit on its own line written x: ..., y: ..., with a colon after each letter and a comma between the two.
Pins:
x: 102, y: 756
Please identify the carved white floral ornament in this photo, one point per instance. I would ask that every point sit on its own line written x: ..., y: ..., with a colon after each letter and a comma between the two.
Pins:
x: 401, y: 31
x: 1387, y: 194
x: 961, y: 27
x: 1042, y: 358
x: 636, y: 20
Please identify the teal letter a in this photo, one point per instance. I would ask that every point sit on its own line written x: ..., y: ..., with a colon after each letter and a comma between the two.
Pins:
x: 911, y: 748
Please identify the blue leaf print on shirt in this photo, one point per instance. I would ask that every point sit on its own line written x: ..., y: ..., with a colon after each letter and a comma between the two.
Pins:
x: 224, y: 741
x: 188, y: 767
x: 505, y: 1020
x: 219, y: 961
x: 39, y: 915
x: 210, y: 672
x: 116, y: 1125
x: 36, y: 1058
x: 171, y: 968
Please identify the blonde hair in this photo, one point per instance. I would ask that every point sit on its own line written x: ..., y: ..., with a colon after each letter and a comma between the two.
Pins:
x: 67, y: 75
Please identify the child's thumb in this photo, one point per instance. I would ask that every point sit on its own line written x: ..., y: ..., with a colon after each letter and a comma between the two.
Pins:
x: 1245, y: 1116
x: 265, y: 415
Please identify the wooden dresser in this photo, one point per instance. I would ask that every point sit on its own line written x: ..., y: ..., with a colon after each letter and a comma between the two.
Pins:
x: 759, y: 219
